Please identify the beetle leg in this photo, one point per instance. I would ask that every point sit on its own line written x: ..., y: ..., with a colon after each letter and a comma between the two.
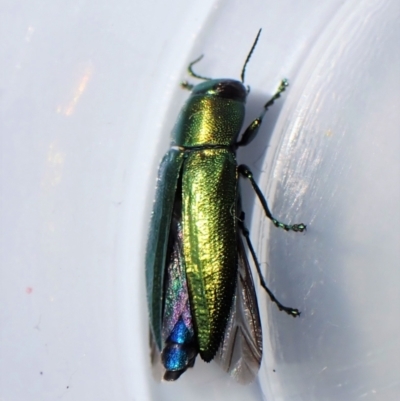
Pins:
x: 253, y: 128
x: 245, y: 172
x: 290, y: 311
x: 187, y: 85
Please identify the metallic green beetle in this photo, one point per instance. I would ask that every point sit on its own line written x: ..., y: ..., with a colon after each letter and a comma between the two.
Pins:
x: 200, y: 290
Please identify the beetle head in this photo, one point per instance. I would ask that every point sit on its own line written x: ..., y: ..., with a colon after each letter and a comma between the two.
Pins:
x: 225, y: 88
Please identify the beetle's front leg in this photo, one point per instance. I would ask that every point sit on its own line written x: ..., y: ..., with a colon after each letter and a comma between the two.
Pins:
x: 253, y: 128
x: 244, y: 171
x: 187, y: 85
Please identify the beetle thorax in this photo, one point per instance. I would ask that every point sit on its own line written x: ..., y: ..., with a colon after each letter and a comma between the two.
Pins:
x: 212, y: 116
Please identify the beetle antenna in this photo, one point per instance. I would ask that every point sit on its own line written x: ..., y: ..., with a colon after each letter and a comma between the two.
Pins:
x: 192, y: 73
x: 249, y: 55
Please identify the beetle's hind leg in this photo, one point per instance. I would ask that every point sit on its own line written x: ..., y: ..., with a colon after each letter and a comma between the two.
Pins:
x: 290, y: 311
x: 245, y: 172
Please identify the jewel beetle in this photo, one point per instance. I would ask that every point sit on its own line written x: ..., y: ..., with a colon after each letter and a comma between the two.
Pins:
x: 200, y: 290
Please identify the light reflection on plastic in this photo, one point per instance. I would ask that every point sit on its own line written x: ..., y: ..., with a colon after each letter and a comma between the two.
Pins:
x: 55, y: 163
x: 81, y: 87
x: 29, y: 32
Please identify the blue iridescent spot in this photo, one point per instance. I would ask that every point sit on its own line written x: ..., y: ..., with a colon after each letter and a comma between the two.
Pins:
x: 175, y: 357
x: 180, y: 334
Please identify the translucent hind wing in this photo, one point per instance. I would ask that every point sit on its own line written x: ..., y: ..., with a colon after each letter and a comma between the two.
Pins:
x: 176, y: 295
x: 240, y: 352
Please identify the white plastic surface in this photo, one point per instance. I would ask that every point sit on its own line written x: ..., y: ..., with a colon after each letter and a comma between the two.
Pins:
x: 89, y: 91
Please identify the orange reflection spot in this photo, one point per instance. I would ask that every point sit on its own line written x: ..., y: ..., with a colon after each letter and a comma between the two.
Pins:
x: 78, y: 92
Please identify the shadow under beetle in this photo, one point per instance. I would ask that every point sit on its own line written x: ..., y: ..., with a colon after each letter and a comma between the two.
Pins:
x: 200, y: 289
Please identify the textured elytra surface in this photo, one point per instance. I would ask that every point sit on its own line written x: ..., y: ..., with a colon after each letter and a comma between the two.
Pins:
x: 158, y: 237
x: 209, y: 191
